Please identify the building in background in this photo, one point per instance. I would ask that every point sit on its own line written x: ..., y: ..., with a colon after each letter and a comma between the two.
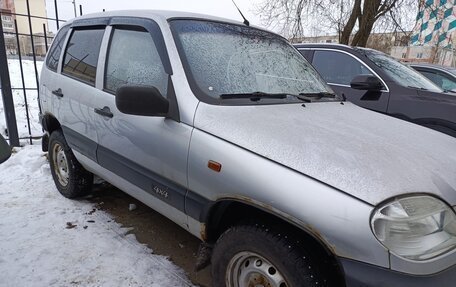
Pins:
x: 39, y: 27
x: 6, y: 8
x: 7, y: 5
x: 433, y: 39
x: 37, y: 8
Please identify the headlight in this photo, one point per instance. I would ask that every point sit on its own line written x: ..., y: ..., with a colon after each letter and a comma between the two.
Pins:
x: 415, y: 227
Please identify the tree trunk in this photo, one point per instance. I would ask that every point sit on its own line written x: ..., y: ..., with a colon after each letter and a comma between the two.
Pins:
x: 366, y: 22
x: 348, y: 29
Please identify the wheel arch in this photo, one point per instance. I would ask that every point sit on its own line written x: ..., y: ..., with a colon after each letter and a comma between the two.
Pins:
x: 50, y: 123
x: 228, y: 212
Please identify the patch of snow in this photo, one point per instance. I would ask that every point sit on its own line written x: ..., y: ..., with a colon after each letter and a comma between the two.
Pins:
x: 48, y: 240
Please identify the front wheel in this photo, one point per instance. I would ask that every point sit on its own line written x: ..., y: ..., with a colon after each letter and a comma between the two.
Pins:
x: 254, y: 255
x: 70, y: 178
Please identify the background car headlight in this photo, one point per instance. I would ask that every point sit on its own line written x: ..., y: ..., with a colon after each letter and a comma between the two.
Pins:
x: 415, y: 227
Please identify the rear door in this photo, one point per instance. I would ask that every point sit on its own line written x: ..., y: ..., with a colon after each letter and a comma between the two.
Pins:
x: 339, y: 68
x: 149, y: 152
x: 74, y: 88
x: 49, y: 76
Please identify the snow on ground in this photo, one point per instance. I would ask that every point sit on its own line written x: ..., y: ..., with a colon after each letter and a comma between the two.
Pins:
x: 37, y: 247
x: 18, y: 98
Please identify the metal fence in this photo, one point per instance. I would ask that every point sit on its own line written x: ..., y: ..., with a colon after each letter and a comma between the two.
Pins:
x: 23, y: 47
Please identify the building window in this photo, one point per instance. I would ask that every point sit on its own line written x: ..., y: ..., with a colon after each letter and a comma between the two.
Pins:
x: 419, y: 55
x: 404, y: 55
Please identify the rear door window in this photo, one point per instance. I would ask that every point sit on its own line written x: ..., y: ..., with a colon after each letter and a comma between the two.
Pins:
x: 338, y: 68
x: 133, y: 59
x: 81, y: 55
x: 52, y: 60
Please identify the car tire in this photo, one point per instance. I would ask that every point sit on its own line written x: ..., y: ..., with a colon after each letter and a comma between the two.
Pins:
x: 257, y: 255
x: 70, y: 178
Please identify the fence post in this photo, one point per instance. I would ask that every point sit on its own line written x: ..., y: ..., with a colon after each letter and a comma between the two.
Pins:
x: 33, y: 53
x: 7, y: 95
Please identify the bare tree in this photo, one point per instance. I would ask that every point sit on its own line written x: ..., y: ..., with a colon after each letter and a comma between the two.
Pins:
x: 353, y: 20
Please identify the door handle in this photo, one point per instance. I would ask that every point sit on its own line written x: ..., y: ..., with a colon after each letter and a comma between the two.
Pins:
x: 58, y: 93
x: 105, y: 112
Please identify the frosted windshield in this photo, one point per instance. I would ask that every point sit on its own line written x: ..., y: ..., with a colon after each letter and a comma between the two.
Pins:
x: 229, y: 59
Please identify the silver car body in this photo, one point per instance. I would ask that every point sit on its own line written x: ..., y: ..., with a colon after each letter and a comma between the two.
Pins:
x: 322, y: 167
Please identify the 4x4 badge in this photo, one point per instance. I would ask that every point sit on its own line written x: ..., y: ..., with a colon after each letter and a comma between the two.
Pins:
x: 159, y: 191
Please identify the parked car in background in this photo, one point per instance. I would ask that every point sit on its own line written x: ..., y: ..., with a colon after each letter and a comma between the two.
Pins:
x: 376, y: 81
x: 228, y: 131
x: 442, y: 76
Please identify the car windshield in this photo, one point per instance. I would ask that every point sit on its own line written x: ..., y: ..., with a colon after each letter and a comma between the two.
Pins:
x: 222, y: 60
x: 401, y: 74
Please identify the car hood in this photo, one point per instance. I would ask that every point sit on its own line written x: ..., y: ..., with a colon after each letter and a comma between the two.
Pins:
x: 363, y: 153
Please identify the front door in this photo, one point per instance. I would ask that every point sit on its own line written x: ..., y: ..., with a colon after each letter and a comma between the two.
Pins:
x: 148, y: 152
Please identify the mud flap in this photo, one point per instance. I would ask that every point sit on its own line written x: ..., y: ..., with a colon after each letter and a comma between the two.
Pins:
x: 45, y: 142
x: 203, y: 257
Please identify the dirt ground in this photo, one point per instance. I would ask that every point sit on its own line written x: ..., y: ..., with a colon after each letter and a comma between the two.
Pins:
x: 160, y: 234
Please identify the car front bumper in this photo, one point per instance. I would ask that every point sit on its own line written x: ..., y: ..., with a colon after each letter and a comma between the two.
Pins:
x: 358, y: 274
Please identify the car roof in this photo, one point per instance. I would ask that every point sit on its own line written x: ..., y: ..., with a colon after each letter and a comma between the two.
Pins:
x: 162, y: 14
x: 335, y: 46
x: 433, y: 66
x: 323, y: 45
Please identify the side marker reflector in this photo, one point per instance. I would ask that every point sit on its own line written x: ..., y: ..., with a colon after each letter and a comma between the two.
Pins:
x: 215, y: 166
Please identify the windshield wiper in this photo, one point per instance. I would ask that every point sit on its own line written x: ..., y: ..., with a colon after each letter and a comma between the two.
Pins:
x: 255, y: 96
x: 318, y: 95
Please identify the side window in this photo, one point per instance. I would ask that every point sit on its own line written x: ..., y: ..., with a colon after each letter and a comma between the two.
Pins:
x: 434, y: 77
x: 448, y: 84
x: 81, y: 55
x: 133, y: 59
x: 305, y: 53
x: 440, y: 80
x: 52, y: 60
x: 338, y: 68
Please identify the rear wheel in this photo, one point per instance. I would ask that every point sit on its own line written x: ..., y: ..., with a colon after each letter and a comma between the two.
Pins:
x: 70, y: 178
x: 254, y: 255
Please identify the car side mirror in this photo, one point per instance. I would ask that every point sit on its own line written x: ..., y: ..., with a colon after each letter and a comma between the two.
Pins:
x: 367, y: 83
x: 141, y: 101
x: 5, y: 149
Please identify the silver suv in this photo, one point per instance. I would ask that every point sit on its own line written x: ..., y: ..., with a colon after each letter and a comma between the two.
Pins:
x: 227, y: 130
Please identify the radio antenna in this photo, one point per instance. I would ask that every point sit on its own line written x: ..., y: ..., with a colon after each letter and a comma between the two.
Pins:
x: 246, y: 22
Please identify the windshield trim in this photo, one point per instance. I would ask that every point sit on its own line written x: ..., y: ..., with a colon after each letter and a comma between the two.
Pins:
x: 201, y: 95
x: 386, y: 90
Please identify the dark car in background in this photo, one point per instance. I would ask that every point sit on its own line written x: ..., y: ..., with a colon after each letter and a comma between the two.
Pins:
x: 442, y: 76
x: 376, y: 81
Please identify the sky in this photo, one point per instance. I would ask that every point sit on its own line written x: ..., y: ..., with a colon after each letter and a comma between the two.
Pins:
x: 221, y: 8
